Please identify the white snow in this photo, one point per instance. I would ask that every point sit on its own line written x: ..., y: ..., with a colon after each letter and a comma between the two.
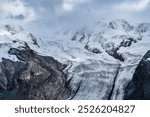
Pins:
x: 148, y: 59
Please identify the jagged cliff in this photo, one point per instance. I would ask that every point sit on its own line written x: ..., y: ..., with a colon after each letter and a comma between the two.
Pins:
x: 34, y: 77
x: 139, y: 86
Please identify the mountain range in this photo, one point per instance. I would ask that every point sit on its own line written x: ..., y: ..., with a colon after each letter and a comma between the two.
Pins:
x: 108, y: 60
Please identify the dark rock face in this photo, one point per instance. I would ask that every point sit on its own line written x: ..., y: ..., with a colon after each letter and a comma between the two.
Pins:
x: 93, y: 50
x: 34, y: 77
x: 139, y: 87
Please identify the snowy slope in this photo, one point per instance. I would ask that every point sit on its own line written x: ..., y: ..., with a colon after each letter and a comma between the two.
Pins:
x: 14, y: 37
x: 101, y: 58
x: 99, y: 43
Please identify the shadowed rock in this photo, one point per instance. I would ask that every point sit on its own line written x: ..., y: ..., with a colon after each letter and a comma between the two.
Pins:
x: 139, y: 87
x: 34, y: 77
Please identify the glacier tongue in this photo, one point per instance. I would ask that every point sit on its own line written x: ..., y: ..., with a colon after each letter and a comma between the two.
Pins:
x: 93, y: 79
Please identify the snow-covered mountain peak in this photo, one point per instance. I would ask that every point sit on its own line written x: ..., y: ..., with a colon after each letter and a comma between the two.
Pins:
x: 15, y: 37
x: 120, y: 24
x: 143, y: 27
x: 11, y: 28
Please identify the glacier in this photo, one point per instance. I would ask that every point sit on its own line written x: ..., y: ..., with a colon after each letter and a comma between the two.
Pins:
x: 100, y: 60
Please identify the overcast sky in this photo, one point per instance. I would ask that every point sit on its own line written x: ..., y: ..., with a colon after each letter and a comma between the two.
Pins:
x: 46, y: 15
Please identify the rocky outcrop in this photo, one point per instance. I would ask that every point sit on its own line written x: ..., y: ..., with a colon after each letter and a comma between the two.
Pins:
x: 139, y: 87
x: 33, y: 77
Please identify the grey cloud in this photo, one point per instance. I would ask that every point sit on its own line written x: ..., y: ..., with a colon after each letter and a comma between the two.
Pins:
x: 16, y: 17
x: 16, y: 12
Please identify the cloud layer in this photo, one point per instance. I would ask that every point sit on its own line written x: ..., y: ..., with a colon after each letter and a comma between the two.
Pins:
x: 69, y: 5
x: 134, y: 5
x: 16, y: 11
